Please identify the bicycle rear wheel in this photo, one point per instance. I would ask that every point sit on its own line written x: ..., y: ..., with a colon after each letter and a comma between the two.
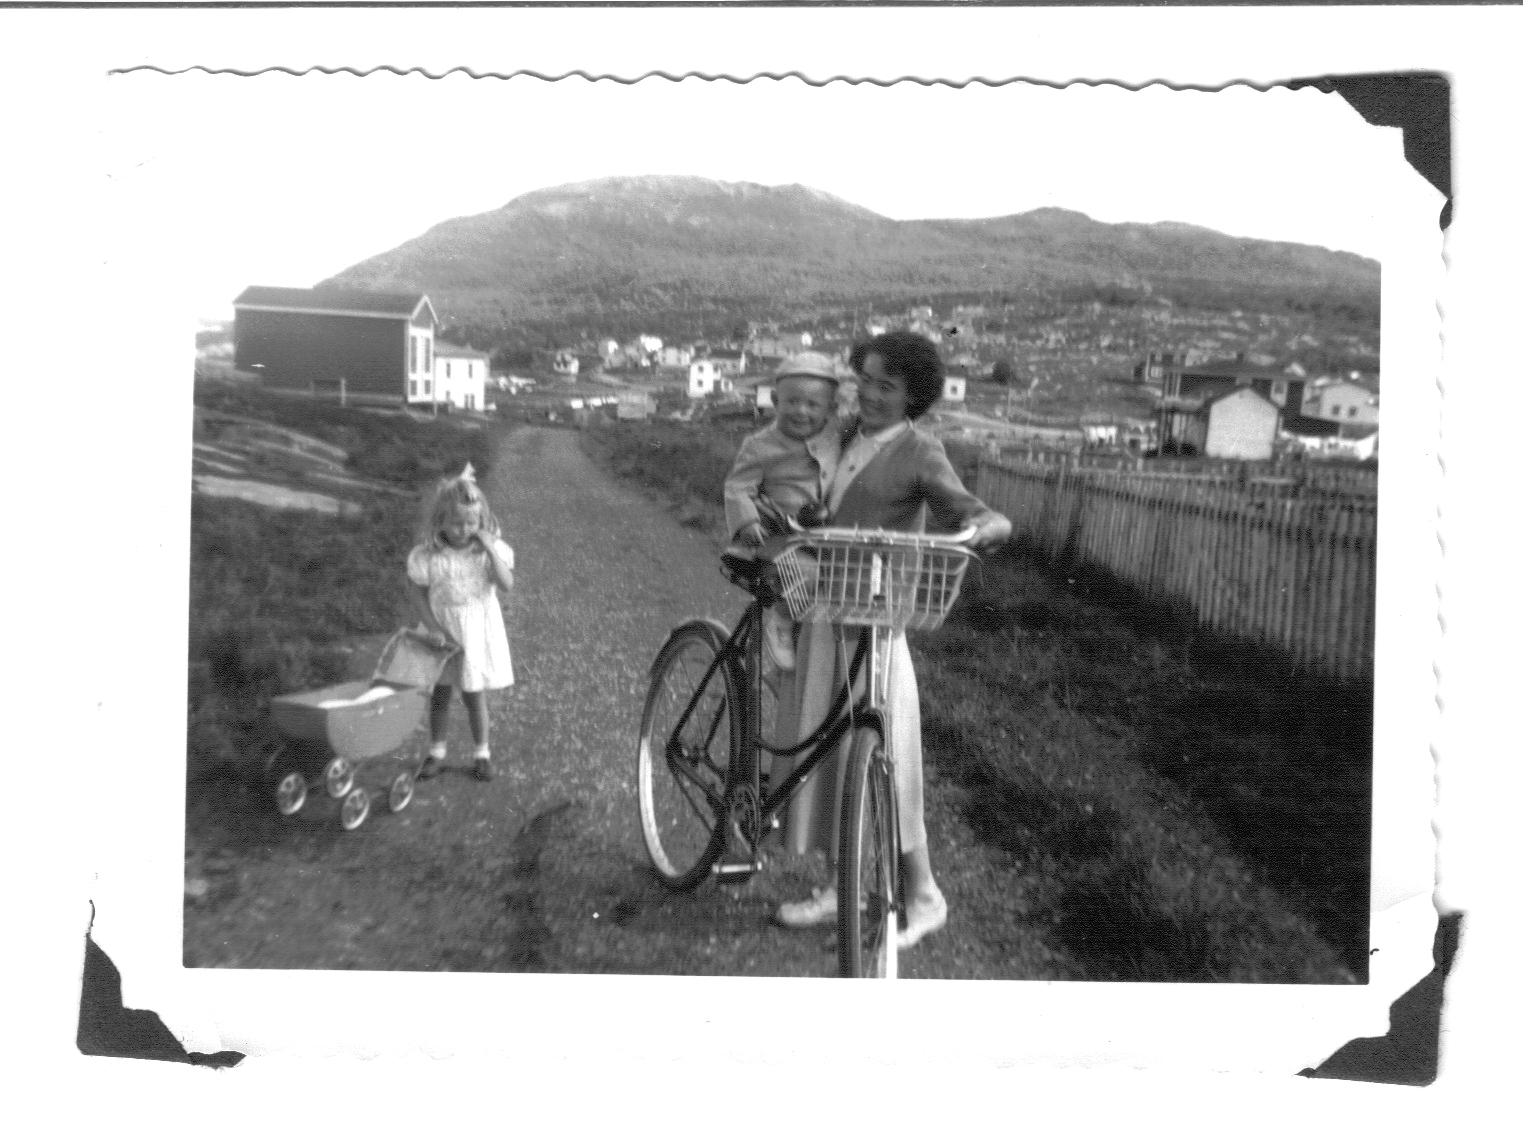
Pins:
x: 867, y: 873
x: 689, y: 734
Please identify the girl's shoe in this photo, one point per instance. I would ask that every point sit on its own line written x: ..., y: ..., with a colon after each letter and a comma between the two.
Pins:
x: 483, y: 768
x: 431, y: 766
x: 815, y: 911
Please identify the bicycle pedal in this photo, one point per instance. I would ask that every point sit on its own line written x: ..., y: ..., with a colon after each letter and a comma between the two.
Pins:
x: 736, y: 871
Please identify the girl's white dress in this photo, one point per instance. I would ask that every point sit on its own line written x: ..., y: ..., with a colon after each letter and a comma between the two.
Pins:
x: 464, y: 598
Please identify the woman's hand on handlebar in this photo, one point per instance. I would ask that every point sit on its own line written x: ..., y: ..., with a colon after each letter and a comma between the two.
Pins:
x: 989, y: 531
x: 749, y: 536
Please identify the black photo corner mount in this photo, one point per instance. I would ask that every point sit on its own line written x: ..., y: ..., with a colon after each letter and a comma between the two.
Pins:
x: 1407, y: 1055
x: 107, y: 1028
x: 1415, y: 102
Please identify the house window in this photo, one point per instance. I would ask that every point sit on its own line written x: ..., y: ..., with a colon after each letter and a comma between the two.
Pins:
x: 427, y: 388
x: 412, y: 388
x: 1336, y: 409
x: 428, y: 361
x: 1353, y: 411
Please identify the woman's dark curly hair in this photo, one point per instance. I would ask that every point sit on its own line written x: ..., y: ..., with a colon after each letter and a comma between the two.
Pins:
x: 911, y: 357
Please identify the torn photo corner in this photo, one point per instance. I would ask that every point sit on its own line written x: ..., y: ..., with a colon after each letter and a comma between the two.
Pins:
x: 1137, y: 890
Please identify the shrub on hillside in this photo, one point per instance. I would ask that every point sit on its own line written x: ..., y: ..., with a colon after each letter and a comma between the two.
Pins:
x: 1159, y: 798
x: 271, y: 593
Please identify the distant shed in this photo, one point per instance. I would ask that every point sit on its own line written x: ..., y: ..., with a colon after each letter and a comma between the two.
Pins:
x: 1239, y: 424
x: 635, y: 405
x: 372, y: 341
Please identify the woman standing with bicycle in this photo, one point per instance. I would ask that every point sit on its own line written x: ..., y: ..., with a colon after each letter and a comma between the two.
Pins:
x: 890, y: 475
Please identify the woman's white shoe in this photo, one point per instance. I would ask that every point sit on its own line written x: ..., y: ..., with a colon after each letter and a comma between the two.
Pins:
x: 923, y: 917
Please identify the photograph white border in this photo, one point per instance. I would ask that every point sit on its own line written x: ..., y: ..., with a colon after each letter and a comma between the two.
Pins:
x: 1196, y: 47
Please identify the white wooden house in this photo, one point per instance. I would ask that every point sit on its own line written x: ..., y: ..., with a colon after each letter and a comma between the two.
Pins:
x: 1239, y: 424
x: 611, y: 353
x: 955, y: 388
x: 704, y: 377
x: 459, y: 379
x: 728, y: 363
x: 1343, y: 400
x: 673, y: 355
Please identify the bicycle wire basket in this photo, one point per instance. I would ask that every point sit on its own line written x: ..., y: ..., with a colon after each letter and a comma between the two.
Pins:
x: 871, y: 578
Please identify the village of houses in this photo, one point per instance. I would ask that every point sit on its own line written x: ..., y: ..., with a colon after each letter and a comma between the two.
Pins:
x: 1229, y: 385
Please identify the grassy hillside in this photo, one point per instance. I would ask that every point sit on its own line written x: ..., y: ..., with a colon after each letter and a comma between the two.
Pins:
x: 274, y: 592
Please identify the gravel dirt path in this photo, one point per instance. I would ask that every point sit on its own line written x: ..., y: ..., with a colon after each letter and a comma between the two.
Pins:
x: 543, y: 869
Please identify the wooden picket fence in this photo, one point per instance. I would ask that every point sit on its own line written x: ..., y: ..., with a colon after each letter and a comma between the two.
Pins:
x: 1286, y: 561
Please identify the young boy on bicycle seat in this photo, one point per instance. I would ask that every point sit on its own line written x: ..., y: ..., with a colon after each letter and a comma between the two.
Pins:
x: 785, y: 469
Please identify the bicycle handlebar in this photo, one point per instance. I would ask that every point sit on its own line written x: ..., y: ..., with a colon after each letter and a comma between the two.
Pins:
x: 864, y: 533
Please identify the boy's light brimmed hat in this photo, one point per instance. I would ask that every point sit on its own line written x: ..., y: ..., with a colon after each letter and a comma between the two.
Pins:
x: 812, y: 364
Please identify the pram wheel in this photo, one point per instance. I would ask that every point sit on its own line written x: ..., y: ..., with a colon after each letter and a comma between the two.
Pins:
x: 355, y: 808
x: 338, y: 777
x: 401, y: 792
x: 291, y: 793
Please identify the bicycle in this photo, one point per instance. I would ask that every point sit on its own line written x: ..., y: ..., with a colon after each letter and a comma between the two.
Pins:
x: 705, y: 808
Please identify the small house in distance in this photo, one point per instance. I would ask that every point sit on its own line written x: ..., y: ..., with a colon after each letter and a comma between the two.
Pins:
x: 704, y: 377
x: 675, y: 355
x: 371, y: 342
x: 460, y: 378
x: 1237, y: 424
x: 1342, y: 399
x: 1283, y: 386
x: 634, y: 405
x: 728, y: 363
x: 781, y: 345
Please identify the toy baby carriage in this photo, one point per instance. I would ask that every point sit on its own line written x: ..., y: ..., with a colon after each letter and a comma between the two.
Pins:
x: 344, y: 734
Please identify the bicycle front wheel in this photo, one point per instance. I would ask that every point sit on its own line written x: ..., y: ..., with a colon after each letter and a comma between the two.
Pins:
x: 867, y: 873
x: 689, y: 733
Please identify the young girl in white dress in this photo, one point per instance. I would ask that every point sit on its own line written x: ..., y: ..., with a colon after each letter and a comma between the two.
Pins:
x: 455, y: 571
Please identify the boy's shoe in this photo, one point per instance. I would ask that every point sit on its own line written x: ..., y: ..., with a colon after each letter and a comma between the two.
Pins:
x: 814, y: 911
x: 431, y: 767
x: 779, y: 635
x: 483, y: 768
x: 923, y: 918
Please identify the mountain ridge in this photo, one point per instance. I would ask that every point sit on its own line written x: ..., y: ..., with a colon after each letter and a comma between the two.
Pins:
x: 621, y: 250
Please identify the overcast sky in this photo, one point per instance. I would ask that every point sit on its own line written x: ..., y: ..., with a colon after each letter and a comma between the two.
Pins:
x: 284, y: 180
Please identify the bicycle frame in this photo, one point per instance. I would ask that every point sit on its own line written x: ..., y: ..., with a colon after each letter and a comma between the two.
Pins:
x: 743, y: 652
x: 705, y: 807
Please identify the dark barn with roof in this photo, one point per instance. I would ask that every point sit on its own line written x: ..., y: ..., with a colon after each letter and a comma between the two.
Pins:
x: 371, y: 341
